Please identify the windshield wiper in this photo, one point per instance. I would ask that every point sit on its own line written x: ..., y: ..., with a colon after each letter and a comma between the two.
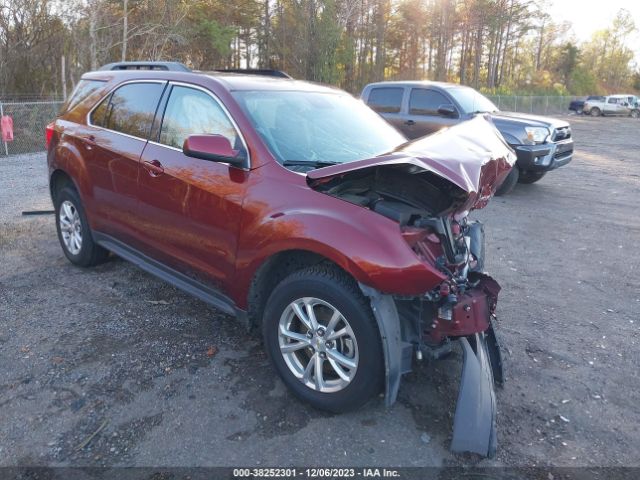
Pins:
x: 311, y: 163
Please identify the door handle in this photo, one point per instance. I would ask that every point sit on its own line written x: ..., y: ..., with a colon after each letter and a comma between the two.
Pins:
x: 409, y: 122
x: 154, y: 167
x: 90, y: 142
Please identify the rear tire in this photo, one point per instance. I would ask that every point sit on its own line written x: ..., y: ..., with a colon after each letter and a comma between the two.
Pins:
x: 73, y: 229
x: 509, y: 182
x: 595, y: 112
x: 312, y: 298
x: 530, y: 177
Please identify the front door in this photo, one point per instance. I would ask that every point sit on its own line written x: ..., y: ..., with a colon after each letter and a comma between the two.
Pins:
x: 191, y: 208
x: 423, y: 118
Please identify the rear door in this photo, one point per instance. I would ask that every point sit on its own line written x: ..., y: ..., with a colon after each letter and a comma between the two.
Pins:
x: 388, y: 101
x: 423, y: 117
x: 190, y: 208
x: 118, y: 128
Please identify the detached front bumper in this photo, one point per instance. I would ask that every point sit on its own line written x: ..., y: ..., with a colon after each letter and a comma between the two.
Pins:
x: 402, y: 336
x: 474, y: 424
x: 545, y: 157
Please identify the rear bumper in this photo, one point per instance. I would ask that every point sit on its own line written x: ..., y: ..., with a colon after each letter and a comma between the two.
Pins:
x: 545, y: 157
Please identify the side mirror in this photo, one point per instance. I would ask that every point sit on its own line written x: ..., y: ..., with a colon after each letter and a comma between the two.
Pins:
x: 447, y: 110
x: 215, y: 148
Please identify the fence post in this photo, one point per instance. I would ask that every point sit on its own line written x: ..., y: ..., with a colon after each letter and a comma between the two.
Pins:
x: 515, y: 103
x: 6, y: 147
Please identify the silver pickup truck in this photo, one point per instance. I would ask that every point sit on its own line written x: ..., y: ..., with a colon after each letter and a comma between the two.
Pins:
x: 621, y: 105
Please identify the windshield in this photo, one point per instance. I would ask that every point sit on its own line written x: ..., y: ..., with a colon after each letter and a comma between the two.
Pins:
x: 317, y: 127
x: 472, y: 101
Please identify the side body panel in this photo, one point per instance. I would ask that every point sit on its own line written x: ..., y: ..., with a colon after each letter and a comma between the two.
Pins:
x: 282, y: 213
x: 190, y: 214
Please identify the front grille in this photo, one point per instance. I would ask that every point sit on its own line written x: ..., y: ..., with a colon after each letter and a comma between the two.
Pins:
x: 561, y: 133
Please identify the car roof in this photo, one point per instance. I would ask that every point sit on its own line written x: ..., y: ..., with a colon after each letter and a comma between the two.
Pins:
x: 416, y: 83
x: 229, y: 81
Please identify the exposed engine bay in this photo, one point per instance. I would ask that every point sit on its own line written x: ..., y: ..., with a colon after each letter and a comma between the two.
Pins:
x: 430, y: 195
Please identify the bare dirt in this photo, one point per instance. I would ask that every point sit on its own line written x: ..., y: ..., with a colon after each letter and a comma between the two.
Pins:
x: 109, y: 366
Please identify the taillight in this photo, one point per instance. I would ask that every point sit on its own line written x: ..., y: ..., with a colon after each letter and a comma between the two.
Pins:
x: 48, y: 131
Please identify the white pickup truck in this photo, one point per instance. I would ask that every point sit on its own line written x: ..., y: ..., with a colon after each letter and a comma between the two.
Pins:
x: 624, y: 105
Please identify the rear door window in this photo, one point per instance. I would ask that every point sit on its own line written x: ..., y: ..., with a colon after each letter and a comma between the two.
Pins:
x: 426, y: 102
x: 386, y: 99
x: 132, y: 108
x: 190, y: 111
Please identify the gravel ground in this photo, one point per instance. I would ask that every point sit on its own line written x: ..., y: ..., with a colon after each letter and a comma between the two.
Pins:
x: 109, y: 366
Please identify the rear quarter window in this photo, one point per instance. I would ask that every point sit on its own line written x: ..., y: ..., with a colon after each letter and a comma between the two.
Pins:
x: 386, y: 99
x: 84, y: 89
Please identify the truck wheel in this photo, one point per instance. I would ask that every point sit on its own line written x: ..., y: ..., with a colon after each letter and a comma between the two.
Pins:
x: 323, y: 340
x: 530, y: 177
x: 74, y: 232
x: 635, y: 113
x: 509, y: 182
x: 595, y: 112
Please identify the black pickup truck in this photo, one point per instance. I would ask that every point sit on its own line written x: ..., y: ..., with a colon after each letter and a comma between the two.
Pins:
x: 418, y: 108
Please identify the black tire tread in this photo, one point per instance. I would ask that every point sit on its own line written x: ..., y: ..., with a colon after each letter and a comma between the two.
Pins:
x: 347, y: 285
x: 509, y: 182
x: 91, y: 253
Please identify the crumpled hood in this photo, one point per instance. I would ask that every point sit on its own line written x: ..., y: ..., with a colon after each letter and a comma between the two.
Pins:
x: 472, y: 155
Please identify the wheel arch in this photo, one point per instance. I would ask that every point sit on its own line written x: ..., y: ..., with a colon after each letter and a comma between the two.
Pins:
x: 57, y: 181
x: 276, y: 268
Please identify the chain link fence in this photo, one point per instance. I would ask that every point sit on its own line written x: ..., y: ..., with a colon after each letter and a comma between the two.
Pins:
x: 29, y: 121
x: 539, y: 105
x: 31, y: 117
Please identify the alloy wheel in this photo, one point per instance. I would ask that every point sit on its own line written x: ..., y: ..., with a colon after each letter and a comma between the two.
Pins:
x: 70, y: 227
x: 318, y: 344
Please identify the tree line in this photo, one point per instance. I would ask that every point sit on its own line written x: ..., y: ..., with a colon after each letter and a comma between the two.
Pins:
x: 498, y: 46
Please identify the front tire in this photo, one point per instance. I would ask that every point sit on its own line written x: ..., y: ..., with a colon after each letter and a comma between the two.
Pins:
x: 509, y: 182
x: 74, y: 232
x: 323, y: 340
x: 595, y: 112
x: 530, y: 177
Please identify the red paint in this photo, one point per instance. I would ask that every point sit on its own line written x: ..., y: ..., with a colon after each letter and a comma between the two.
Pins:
x: 470, y: 315
x: 201, y: 146
x: 220, y: 223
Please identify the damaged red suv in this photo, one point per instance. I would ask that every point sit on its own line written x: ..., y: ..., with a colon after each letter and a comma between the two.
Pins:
x: 301, y: 211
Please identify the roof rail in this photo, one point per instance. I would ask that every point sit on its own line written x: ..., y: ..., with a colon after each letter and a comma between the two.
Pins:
x: 171, y: 66
x: 255, y: 71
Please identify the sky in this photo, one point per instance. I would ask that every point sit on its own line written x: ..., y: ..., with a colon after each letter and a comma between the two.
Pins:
x: 587, y: 16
